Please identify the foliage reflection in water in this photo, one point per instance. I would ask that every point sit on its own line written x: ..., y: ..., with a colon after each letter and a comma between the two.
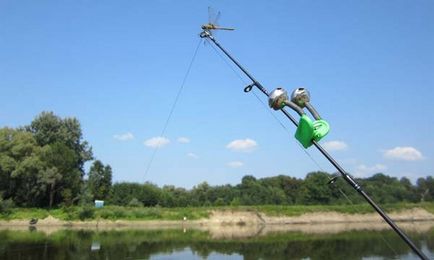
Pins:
x: 195, y: 244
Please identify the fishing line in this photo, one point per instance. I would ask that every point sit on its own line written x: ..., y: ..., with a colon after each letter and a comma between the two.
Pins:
x: 178, y: 94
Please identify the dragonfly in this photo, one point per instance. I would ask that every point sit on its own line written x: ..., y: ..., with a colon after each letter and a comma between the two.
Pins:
x: 212, y: 24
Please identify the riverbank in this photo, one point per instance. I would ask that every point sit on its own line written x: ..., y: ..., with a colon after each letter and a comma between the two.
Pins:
x: 115, y: 213
x: 244, y: 221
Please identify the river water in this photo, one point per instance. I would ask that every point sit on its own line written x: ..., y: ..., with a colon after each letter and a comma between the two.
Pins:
x: 232, y: 243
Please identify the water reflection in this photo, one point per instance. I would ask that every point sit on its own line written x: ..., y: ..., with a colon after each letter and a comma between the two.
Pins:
x: 184, y: 243
x: 187, y: 253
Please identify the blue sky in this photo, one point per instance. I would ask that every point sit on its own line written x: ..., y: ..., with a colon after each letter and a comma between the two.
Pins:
x: 117, y: 66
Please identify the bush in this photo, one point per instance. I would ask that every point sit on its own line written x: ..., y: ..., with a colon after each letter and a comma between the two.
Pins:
x: 86, y: 213
x: 135, y: 203
x: 69, y: 213
x: 119, y: 213
x: 219, y: 202
x: 236, y: 201
x: 106, y: 213
x: 154, y: 213
x: 6, y: 206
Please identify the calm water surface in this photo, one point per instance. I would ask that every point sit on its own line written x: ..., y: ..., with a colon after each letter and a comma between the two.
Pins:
x: 194, y: 244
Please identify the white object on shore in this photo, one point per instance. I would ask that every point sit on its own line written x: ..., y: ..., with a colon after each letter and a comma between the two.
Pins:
x: 99, y: 204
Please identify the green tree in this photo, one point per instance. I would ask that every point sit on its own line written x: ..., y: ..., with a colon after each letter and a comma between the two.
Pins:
x: 60, y: 171
x: 200, y: 194
x: 100, y: 180
x: 124, y: 192
x: 222, y: 194
x: 181, y: 197
x: 64, y: 136
x: 288, y: 185
x: 315, y: 189
x: 252, y: 192
x: 409, y: 191
x: 150, y: 195
x: 21, y: 167
x: 168, y: 198
x: 385, y: 189
x: 135, y: 203
x: 48, y: 128
x: 425, y: 188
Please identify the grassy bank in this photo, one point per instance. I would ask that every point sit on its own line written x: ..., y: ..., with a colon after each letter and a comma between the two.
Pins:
x: 298, y: 210
x: 192, y: 213
x: 109, y: 213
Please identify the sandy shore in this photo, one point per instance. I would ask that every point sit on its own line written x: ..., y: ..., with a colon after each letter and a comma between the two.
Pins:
x: 239, y: 224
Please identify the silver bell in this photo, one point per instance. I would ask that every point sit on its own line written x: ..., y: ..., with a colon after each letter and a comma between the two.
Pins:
x: 300, y: 96
x: 277, y: 98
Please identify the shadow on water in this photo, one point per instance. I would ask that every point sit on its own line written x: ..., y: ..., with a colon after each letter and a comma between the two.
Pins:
x: 197, y: 244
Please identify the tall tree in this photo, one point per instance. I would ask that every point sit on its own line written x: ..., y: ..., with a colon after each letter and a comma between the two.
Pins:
x: 60, y: 171
x: 64, y: 137
x: 47, y: 128
x: 100, y: 180
x: 20, y: 167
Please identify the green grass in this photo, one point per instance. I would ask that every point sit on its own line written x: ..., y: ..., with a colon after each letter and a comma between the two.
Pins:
x: 194, y: 213
x: 109, y: 213
x: 151, y: 213
x: 297, y: 210
x: 26, y: 213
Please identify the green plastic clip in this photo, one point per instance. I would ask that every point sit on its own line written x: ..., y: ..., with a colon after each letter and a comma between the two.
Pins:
x: 304, y: 133
x: 308, y: 130
x: 321, y: 129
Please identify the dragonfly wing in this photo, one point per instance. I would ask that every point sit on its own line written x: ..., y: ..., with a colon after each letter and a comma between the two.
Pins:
x: 213, y: 16
x: 216, y: 20
x: 213, y: 20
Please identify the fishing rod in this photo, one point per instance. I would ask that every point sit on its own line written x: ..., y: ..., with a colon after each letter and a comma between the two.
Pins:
x: 308, y: 132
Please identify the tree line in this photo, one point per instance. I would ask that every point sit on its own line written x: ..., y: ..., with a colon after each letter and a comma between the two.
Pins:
x: 277, y: 190
x: 42, y: 165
